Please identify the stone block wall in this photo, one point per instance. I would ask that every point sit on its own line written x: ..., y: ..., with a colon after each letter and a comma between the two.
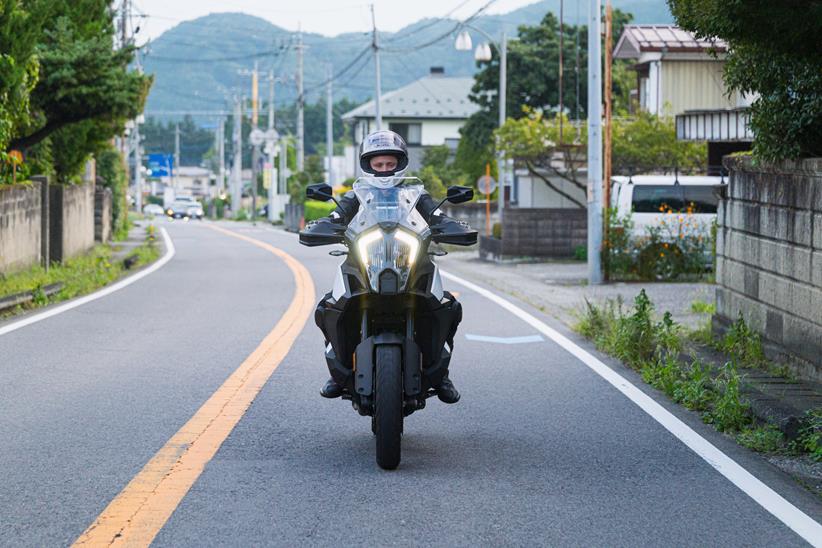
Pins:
x: 20, y: 229
x: 769, y: 257
x: 539, y: 232
x: 102, y: 215
x: 71, y: 223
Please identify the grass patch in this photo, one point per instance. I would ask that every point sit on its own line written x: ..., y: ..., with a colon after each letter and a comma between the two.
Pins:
x: 701, y: 307
x: 79, y: 275
x: 653, y: 348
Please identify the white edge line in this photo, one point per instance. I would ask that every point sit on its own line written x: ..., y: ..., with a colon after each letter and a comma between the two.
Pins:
x: 108, y: 290
x: 802, y: 524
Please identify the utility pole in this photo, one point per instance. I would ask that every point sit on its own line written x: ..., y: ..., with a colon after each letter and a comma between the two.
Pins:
x: 378, y: 91
x: 503, y: 94
x: 594, y: 144
x: 561, y: 33
x: 124, y: 13
x: 300, y: 105
x: 176, y: 153
x: 255, y: 155
x: 606, y: 178
x: 272, y: 153
x: 237, y: 169
x: 138, y: 169
x: 329, y: 127
x: 221, y: 151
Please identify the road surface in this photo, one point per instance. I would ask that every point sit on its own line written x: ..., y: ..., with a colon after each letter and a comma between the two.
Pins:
x: 541, y: 450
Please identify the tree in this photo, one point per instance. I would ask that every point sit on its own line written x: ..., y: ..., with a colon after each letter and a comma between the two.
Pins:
x: 313, y: 173
x: 533, y: 143
x: 532, y: 83
x: 644, y: 143
x: 85, y: 91
x: 438, y: 172
x: 19, y: 32
x: 773, y: 52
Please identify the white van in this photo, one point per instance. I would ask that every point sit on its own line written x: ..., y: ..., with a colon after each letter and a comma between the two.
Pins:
x: 652, y: 197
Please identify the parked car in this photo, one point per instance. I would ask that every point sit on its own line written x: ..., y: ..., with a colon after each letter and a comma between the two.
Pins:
x: 657, y: 199
x: 153, y: 209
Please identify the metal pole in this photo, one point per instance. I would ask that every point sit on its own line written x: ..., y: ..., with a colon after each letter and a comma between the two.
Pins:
x: 138, y: 169
x: 300, y: 106
x: 272, y: 184
x: 237, y: 169
x: 503, y: 77
x: 594, y: 144
x: 378, y: 90
x: 281, y: 179
x: 329, y: 127
x: 176, y: 153
x: 221, y: 151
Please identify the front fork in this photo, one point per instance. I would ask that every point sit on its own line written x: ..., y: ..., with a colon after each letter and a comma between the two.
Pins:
x: 411, y: 365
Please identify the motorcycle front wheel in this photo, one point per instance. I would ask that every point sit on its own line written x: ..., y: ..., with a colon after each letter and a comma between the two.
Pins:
x: 388, y: 406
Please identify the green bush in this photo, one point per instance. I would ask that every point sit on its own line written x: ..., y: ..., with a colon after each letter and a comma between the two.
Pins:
x: 316, y: 210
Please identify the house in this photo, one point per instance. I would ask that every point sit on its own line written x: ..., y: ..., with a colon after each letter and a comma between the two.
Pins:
x: 676, y: 71
x: 195, y: 181
x: 427, y: 112
x: 680, y: 75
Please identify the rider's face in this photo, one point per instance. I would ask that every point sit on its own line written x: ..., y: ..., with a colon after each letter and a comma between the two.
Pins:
x: 384, y: 163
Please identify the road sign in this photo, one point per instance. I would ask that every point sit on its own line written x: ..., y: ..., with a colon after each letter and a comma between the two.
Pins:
x: 257, y: 137
x: 482, y: 184
x: 271, y: 136
x: 160, y: 165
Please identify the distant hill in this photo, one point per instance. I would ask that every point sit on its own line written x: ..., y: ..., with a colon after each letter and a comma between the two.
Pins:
x: 198, y: 63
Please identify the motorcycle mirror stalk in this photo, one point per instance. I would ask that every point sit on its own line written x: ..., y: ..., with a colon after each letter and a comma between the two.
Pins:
x: 321, y: 192
x: 457, y: 195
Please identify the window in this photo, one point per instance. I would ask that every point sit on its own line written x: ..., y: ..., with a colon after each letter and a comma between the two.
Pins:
x: 412, y: 133
x: 658, y: 198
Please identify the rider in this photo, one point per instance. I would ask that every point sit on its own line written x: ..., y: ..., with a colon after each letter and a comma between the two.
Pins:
x: 385, y: 154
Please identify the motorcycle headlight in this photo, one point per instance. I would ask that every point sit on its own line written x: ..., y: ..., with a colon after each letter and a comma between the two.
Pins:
x: 396, y: 251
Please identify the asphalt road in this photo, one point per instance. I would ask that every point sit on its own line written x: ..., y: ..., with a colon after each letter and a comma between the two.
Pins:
x: 539, y: 451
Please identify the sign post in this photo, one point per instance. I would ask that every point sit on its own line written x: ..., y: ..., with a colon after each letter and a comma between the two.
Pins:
x: 487, y: 185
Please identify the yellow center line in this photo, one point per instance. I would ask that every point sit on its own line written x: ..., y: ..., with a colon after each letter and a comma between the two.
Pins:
x: 137, y: 514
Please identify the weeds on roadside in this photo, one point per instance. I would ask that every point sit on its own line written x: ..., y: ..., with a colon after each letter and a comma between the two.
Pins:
x: 762, y: 438
x: 701, y: 307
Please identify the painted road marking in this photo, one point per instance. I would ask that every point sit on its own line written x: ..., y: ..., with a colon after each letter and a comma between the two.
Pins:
x: 802, y: 524
x: 505, y: 340
x: 143, y: 507
x: 125, y: 282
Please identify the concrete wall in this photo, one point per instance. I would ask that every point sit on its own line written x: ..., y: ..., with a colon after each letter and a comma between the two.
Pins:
x: 532, y: 192
x: 552, y: 233
x: 102, y: 215
x: 72, y: 220
x: 769, y: 257
x: 20, y: 229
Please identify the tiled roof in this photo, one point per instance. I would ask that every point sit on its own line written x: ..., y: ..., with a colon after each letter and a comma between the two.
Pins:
x: 637, y: 39
x: 429, y: 97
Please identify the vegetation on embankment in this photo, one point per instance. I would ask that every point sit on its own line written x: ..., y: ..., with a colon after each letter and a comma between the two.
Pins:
x: 655, y: 348
x: 78, y: 276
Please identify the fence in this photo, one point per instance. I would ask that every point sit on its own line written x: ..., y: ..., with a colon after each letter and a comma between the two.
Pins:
x: 769, y: 257
x: 554, y: 233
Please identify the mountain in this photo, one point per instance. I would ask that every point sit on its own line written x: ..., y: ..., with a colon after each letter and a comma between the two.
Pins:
x: 200, y: 64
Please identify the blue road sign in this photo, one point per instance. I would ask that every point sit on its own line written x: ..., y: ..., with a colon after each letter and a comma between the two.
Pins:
x: 161, y: 165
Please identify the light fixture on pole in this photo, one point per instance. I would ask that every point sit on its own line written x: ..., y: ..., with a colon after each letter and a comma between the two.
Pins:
x: 463, y: 42
x: 483, y: 52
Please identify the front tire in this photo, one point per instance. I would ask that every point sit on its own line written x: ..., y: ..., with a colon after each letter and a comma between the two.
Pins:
x: 388, y: 406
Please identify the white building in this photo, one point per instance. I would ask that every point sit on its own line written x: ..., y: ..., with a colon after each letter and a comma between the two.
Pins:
x: 195, y: 181
x: 427, y: 112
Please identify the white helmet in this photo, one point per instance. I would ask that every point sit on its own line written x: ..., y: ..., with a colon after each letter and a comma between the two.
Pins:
x: 384, y: 143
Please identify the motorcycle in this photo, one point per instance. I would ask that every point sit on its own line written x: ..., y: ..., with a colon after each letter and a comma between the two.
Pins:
x: 388, y: 323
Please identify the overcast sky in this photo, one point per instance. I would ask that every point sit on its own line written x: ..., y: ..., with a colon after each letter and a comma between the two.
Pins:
x: 329, y: 17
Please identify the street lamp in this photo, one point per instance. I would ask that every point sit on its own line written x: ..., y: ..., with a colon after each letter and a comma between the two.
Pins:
x: 483, y: 53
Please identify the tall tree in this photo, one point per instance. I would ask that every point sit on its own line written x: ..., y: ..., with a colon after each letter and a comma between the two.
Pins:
x: 774, y: 53
x: 85, y: 91
x: 532, y: 83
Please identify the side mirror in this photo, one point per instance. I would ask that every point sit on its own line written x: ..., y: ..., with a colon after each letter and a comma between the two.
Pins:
x: 460, y: 194
x: 320, y: 192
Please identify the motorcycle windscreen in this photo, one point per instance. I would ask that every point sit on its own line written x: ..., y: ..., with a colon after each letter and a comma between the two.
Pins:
x: 388, y: 230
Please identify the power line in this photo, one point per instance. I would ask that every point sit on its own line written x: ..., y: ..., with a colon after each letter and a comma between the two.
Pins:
x: 428, y: 25
x: 447, y: 34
